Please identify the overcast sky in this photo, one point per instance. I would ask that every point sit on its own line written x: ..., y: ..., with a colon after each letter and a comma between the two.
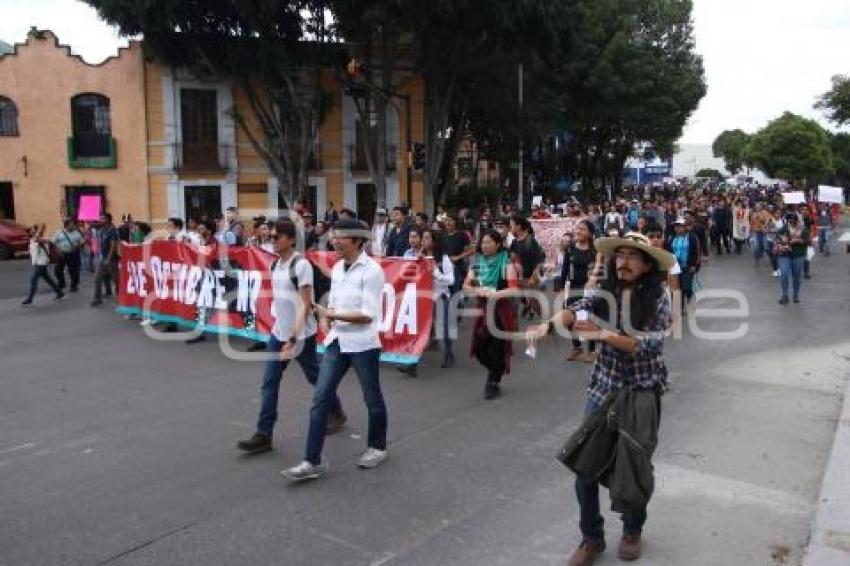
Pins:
x: 762, y: 57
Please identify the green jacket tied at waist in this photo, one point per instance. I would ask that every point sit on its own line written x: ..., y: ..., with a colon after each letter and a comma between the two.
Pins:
x: 614, y: 446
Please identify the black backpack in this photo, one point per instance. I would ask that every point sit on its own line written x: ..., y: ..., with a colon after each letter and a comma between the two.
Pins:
x: 321, y: 283
x: 293, y: 277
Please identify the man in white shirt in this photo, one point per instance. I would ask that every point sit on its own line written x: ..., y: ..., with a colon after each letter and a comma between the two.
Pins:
x: 613, y: 221
x: 379, y: 233
x: 351, y: 319
x: 293, y: 336
x: 40, y: 260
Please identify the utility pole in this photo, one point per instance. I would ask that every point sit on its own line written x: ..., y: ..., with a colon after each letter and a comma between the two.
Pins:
x: 409, y: 136
x: 519, y: 183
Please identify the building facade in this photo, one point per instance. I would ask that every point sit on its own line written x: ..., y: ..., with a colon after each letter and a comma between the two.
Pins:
x: 69, y: 129
x: 155, y: 142
x: 200, y: 161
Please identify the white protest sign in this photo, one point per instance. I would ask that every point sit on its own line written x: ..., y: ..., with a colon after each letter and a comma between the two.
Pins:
x: 795, y: 197
x: 830, y: 194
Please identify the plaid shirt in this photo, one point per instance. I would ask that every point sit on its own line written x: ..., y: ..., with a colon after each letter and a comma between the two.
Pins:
x: 644, y: 369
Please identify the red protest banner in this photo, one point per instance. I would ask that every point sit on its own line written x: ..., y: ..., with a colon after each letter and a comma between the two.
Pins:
x: 407, y: 302
x: 231, y: 293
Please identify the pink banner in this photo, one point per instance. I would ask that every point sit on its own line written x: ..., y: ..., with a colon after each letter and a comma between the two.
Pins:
x: 549, y: 233
x: 89, y: 207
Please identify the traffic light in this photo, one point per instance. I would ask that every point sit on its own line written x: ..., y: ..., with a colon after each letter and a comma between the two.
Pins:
x: 419, y: 156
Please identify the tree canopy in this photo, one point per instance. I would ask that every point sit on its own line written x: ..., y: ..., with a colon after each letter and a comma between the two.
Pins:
x: 730, y: 145
x: 709, y: 173
x: 792, y: 147
x: 601, y: 77
x: 268, y: 49
x: 836, y: 102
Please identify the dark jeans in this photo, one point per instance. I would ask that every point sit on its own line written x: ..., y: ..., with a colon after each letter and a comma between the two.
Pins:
x: 722, y: 238
x: 334, y: 365
x: 443, y: 323
x: 774, y: 259
x: 791, y: 269
x: 274, y: 372
x: 760, y: 245
x: 70, y: 260
x: 739, y: 246
x: 460, y: 269
x: 107, y: 271
x: 40, y: 272
x: 686, y: 283
x: 823, y: 239
x: 591, y: 522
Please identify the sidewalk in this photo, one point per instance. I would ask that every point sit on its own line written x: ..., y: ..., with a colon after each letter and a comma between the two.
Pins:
x: 830, y: 539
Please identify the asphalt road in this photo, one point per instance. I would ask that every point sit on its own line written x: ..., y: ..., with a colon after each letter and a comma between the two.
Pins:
x: 118, y: 449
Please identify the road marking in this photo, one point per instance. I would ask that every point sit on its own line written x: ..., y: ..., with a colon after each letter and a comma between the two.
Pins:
x: 18, y: 447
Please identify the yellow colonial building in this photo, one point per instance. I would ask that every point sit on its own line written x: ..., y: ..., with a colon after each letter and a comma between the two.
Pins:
x: 156, y: 142
x: 68, y: 129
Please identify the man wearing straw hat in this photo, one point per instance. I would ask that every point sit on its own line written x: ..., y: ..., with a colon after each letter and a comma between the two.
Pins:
x: 629, y: 315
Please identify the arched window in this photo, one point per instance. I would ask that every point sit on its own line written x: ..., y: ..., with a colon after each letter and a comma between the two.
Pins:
x: 8, y: 117
x: 90, y: 121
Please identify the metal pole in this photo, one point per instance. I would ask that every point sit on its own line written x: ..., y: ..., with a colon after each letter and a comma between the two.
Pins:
x: 519, y: 180
x: 409, y: 155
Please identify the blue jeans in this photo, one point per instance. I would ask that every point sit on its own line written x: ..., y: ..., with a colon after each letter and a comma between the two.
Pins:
x: 823, y: 239
x: 774, y: 260
x: 274, y: 372
x: 591, y: 523
x: 790, y: 271
x: 334, y: 366
x: 40, y: 272
x: 760, y: 245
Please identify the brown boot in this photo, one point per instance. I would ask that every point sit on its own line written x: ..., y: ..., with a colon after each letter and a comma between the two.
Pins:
x: 629, y: 547
x: 586, y: 553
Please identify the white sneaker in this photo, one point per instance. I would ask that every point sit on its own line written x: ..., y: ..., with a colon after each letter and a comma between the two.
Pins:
x: 305, y: 471
x: 776, y: 273
x: 372, y: 458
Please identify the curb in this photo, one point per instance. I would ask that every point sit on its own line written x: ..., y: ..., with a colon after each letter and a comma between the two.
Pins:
x: 829, y: 544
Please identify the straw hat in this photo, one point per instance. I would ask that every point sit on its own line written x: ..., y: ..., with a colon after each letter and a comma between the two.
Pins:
x: 638, y: 241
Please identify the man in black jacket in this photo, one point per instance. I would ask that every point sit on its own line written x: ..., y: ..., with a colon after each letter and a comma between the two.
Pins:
x: 721, y: 219
x: 399, y: 232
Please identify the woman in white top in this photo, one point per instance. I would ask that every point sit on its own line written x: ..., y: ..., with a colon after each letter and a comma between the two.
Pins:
x: 740, y: 224
x: 40, y: 260
x: 444, y: 278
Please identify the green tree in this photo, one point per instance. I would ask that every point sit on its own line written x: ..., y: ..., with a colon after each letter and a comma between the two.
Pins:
x: 630, y: 74
x: 730, y: 145
x: 840, y: 145
x: 376, y: 34
x: 836, y: 102
x: 273, y: 51
x: 709, y: 173
x: 455, y: 47
x: 792, y: 147
x: 468, y: 53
